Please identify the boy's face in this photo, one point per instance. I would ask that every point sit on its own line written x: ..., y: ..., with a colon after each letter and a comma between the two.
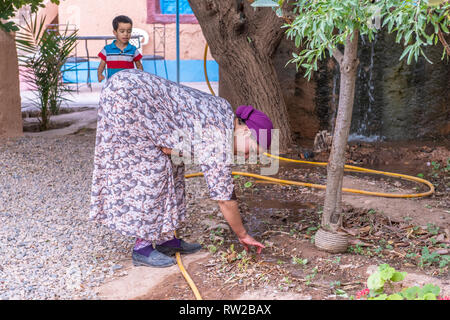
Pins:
x: 123, y: 33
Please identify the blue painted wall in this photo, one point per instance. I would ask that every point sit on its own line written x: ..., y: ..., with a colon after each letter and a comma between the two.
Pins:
x: 170, y: 7
x: 190, y: 70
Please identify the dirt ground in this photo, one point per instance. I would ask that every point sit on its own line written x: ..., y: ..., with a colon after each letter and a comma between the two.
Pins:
x: 285, y: 218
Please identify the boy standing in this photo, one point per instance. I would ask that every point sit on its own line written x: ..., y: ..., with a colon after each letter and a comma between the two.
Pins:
x: 120, y: 54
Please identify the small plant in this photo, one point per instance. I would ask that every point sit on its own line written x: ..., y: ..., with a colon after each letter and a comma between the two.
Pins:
x: 407, y: 219
x: 216, y: 237
x: 320, y: 211
x: 310, y: 229
x: 212, y: 248
x: 386, y: 275
x: 232, y: 255
x: 447, y: 167
x: 335, y: 284
x: 311, y: 276
x: 428, y: 259
x: 411, y: 255
x: 356, y: 249
x: 287, y: 280
x: 341, y: 293
x: 378, y: 250
x: 43, y: 53
x: 436, y: 165
x: 244, y: 260
x: 299, y: 261
x: 432, y: 228
x: 218, y: 231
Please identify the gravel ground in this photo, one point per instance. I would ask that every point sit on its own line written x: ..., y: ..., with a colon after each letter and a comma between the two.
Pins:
x: 48, y: 247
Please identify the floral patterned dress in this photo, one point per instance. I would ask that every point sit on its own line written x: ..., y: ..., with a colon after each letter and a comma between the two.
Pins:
x: 137, y: 189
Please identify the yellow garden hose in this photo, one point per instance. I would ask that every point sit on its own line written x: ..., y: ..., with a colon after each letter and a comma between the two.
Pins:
x: 351, y: 168
x: 206, y: 70
x: 310, y: 185
x: 187, y: 276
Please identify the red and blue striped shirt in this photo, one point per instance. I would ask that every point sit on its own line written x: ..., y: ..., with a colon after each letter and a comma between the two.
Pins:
x: 117, y: 59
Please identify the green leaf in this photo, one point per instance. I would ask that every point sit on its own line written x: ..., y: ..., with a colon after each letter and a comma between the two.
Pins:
x: 405, y: 52
x: 430, y: 288
x: 340, y: 292
x: 374, y: 282
x: 429, y: 296
x: 248, y: 184
x: 398, y: 276
x: 394, y: 296
x: 410, y: 293
x: 386, y: 272
x: 298, y: 40
x: 380, y: 297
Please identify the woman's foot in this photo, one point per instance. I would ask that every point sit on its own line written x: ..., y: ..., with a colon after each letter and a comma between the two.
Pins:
x: 178, y: 245
x: 154, y: 259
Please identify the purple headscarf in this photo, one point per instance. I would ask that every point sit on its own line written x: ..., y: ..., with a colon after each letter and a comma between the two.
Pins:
x: 255, y: 119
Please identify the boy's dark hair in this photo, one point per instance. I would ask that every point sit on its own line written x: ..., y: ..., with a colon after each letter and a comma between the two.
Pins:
x: 121, y: 19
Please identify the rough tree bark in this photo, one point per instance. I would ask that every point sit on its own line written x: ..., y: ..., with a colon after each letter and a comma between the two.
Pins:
x: 348, y: 63
x: 10, y: 112
x: 242, y: 40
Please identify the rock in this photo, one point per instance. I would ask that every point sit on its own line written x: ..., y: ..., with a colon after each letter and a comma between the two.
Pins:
x: 440, y: 238
x: 117, y: 267
x: 442, y: 251
x: 212, y: 225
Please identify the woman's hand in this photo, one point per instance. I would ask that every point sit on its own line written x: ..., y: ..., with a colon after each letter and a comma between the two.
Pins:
x: 248, y: 240
x: 167, y: 151
x: 230, y: 211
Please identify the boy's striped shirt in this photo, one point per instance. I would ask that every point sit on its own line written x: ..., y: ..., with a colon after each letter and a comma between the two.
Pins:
x: 117, y: 59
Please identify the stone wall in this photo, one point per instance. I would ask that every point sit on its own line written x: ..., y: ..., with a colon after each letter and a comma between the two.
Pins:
x: 394, y: 101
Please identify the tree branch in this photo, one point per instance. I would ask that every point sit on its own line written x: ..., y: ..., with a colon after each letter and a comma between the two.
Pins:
x: 442, y: 40
x: 338, y: 55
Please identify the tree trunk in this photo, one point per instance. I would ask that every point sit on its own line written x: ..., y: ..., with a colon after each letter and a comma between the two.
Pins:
x: 242, y: 41
x: 10, y: 105
x: 348, y: 63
